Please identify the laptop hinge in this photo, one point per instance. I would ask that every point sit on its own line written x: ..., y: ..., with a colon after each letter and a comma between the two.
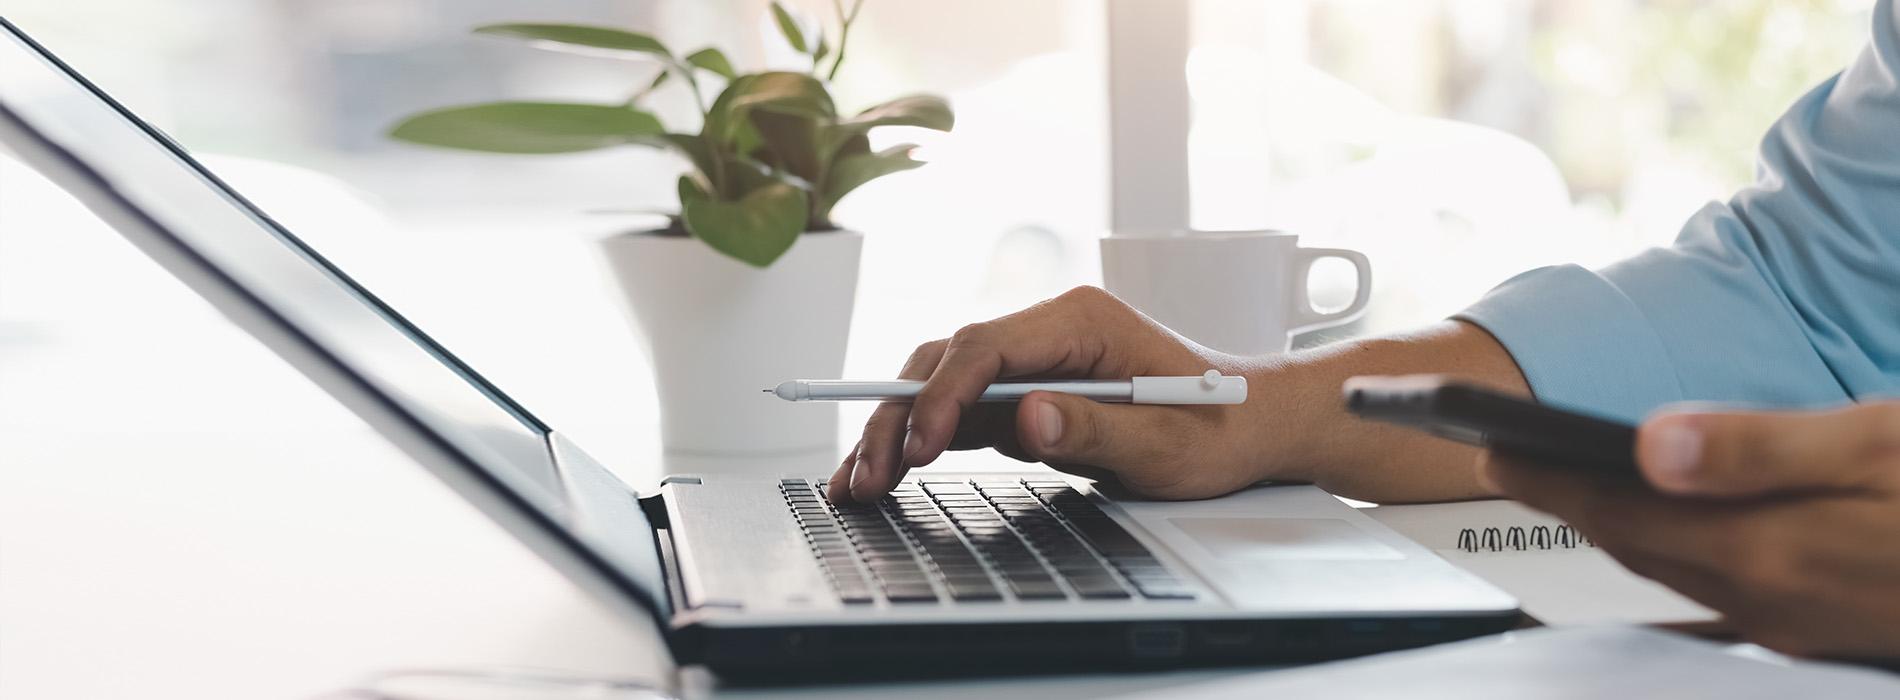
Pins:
x: 655, y: 510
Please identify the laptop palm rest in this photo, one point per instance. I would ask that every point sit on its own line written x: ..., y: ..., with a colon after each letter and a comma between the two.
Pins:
x: 1297, y: 550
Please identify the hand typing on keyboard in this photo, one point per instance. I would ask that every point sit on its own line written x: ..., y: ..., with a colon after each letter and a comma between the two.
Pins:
x: 1292, y: 427
x: 1160, y: 451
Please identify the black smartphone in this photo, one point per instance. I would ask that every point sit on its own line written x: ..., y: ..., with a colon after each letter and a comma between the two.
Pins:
x: 1506, y: 424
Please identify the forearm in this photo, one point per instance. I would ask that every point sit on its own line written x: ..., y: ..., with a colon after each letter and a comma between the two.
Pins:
x: 1305, y: 433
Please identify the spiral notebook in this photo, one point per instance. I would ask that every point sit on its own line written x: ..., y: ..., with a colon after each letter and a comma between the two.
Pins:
x: 1557, y: 574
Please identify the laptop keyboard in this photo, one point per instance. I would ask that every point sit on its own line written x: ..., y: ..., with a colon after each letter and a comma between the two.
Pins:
x: 986, y: 539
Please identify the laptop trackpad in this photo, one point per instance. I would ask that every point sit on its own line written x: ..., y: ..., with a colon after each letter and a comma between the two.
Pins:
x: 1281, y: 539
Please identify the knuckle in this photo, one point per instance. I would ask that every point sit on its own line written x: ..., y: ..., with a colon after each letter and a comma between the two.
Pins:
x: 1089, y: 294
x: 972, y: 335
x: 927, y: 351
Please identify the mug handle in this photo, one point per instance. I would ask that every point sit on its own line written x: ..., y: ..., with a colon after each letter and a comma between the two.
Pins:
x: 1305, y: 317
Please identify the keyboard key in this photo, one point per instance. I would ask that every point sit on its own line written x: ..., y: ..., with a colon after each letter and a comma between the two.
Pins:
x: 972, y: 592
x: 910, y: 593
x: 1036, y: 590
x: 966, y: 537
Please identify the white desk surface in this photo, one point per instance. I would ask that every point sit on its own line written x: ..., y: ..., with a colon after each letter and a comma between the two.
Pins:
x: 184, y: 516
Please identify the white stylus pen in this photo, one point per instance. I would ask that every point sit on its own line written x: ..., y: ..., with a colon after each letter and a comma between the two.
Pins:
x: 1210, y: 388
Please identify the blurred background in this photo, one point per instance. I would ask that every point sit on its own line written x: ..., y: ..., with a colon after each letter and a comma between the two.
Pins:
x: 187, y: 513
x: 1455, y: 141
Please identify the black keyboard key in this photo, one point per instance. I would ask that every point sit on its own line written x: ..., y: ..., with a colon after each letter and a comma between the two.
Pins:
x: 1097, y: 590
x: 1045, y: 589
x: 973, y: 591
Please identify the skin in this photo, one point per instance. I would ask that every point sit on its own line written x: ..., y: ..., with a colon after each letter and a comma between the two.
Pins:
x: 1291, y: 428
x: 1781, y: 521
x: 1784, y: 522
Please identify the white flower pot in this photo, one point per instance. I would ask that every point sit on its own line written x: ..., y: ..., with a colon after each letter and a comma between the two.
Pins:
x: 720, y: 331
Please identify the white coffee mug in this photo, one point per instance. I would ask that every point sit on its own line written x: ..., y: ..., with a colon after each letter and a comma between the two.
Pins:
x: 1242, y: 292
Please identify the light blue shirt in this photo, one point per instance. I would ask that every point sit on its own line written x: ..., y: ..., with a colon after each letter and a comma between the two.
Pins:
x: 1788, y: 295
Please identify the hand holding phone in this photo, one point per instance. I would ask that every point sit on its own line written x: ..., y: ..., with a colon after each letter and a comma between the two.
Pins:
x: 1517, y: 427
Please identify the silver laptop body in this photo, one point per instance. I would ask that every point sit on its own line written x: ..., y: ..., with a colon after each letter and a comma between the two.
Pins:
x: 757, y: 577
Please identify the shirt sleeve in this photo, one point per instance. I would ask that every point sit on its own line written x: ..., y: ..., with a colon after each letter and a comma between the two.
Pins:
x: 1788, y: 295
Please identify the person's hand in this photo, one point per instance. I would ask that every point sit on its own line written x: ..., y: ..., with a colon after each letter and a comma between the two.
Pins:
x: 1157, y: 451
x: 1785, y: 522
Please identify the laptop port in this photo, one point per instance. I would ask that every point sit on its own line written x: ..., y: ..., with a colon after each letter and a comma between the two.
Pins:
x: 1227, y: 634
x: 1156, y: 640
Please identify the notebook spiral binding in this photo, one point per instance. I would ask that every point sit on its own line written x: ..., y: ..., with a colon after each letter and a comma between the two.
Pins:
x: 1518, y: 539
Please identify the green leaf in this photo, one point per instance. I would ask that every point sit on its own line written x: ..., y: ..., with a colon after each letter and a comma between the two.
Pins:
x: 689, y: 146
x: 927, y: 111
x: 790, y: 142
x: 756, y: 229
x: 788, y: 27
x: 855, y: 169
x: 787, y: 93
x: 819, y: 54
x: 566, y: 37
x: 658, y: 80
x: 529, y: 127
x: 713, y: 60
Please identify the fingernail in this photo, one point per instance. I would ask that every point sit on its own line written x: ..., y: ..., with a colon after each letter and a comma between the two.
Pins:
x: 913, y: 444
x: 1051, y: 424
x: 1678, y: 450
x: 859, y: 470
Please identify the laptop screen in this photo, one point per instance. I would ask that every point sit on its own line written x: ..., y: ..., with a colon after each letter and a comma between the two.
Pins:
x: 377, y: 344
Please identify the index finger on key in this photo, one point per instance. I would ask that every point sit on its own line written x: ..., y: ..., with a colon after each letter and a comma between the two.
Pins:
x: 879, y: 464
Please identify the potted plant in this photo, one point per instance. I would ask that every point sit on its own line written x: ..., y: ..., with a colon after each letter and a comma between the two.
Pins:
x: 751, y: 283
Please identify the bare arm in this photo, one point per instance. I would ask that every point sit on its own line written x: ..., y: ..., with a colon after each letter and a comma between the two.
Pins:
x: 1292, y: 427
x: 1308, y: 435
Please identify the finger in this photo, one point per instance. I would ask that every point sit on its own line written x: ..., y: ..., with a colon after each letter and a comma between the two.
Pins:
x: 1750, y: 454
x: 1568, y: 494
x: 1633, y: 521
x: 1142, y: 445
x: 878, y: 465
x: 1696, y: 581
x: 987, y: 425
x: 1043, y: 339
x: 838, y: 488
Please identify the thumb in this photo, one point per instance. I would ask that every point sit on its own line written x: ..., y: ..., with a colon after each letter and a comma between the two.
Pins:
x: 1748, y: 454
x: 1141, y: 444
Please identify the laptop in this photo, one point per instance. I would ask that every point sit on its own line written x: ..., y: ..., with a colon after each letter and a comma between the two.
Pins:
x: 759, y: 579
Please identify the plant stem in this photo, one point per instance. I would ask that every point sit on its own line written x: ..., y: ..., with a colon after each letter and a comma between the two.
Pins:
x: 699, y: 100
x: 844, y: 33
